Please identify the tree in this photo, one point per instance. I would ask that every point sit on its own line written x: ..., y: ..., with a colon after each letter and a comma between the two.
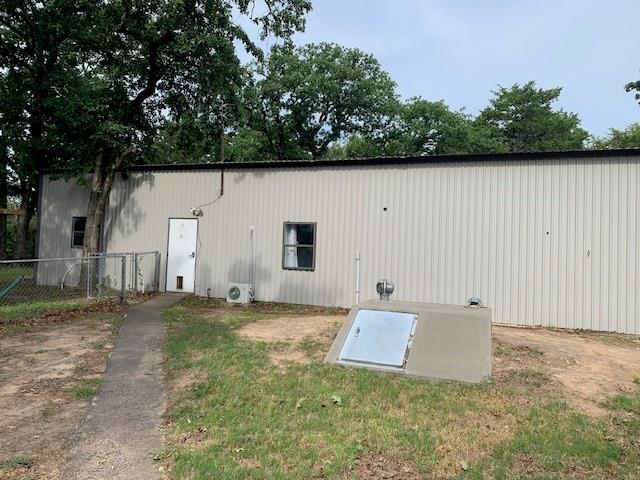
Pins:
x: 634, y: 87
x: 125, y: 68
x: 301, y: 99
x: 627, y: 138
x: 422, y: 127
x: 187, y: 140
x: 171, y: 55
x: 524, y: 119
x: 34, y: 65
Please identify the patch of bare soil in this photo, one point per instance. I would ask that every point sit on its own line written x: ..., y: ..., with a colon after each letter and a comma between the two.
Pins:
x: 39, y: 371
x: 289, y: 329
x: 589, y: 367
x: 303, y: 338
x: 377, y: 466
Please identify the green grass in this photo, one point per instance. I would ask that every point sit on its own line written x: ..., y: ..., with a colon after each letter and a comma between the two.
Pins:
x: 97, y: 345
x: 10, y: 313
x: 18, y: 461
x: 310, y: 347
x: 8, y: 273
x: 625, y: 403
x: 247, y: 418
x: 48, y: 411
x: 87, y: 388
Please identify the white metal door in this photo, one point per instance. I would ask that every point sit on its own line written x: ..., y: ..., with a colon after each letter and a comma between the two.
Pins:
x: 181, y: 254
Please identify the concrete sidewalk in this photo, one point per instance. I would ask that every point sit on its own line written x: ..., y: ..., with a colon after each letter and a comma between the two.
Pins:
x: 121, y: 433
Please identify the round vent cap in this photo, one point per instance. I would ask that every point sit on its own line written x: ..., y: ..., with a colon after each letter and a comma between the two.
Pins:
x: 385, y: 288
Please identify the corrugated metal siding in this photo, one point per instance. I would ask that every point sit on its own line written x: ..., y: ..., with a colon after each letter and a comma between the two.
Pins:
x: 449, y: 231
x: 137, y: 216
x: 61, y: 201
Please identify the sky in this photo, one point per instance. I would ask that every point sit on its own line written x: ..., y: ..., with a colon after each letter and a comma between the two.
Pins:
x: 460, y: 50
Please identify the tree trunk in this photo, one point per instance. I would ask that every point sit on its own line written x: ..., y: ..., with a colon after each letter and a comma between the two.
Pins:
x: 103, y: 176
x: 3, y: 198
x: 23, y: 223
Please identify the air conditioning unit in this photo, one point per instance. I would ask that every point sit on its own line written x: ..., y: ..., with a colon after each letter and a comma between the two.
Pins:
x: 240, y: 293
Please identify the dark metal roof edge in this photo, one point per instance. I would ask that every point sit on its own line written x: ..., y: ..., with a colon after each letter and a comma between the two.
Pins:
x: 357, y: 162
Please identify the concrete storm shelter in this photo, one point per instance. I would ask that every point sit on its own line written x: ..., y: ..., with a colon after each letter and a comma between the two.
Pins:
x: 549, y: 239
x: 443, y: 342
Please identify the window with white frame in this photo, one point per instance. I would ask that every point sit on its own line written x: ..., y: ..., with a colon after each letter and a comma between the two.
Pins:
x: 77, y: 231
x: 299, y: 246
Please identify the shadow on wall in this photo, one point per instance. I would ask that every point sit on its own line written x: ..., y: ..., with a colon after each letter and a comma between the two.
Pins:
x: 126, y: 213
x: 242, y: 174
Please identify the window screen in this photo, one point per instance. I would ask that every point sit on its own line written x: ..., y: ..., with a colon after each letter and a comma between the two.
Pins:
x: 77, y: 231
x: 299, y: 246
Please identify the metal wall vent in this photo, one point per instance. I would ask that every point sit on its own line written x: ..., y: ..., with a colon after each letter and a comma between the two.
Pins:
x: 378, y: 337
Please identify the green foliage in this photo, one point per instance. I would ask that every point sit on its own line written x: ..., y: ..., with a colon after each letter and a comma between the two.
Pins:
x: 185, y: 82
x: 522, y: 118
x: 421, y: 127
x: 188, y: 140
x: 87, y: 389
x: 37, y: 65
x: 86, y: 85
x: 301, y: 99
x: 248, y: 145
x: 18, y: 461
x: 627, y: 138
x: 634, y: 87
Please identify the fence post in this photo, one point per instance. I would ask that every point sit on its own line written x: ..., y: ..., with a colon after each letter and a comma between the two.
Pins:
x: 123, y: 291
x: 88, y: 274
x: 157, y: 273
x: 134, y: 274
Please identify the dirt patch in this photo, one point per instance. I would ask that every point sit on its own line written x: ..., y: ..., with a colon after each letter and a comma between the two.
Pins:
x: 377, y: 466
x: 40, y: 371
x: 290, y: 329
x: 589, y: 368
x: 300, y: 339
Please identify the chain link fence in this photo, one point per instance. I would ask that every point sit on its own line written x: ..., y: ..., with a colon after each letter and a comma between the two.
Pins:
x: 103, y: 276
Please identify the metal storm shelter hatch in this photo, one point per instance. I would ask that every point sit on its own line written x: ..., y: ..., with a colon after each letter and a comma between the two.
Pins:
x: 379, y: 338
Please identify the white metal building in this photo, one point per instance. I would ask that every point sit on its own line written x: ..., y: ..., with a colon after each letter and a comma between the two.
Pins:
x: 547, y: 239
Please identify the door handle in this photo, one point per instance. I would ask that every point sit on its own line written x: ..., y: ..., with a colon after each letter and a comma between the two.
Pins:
x: 193, y: 255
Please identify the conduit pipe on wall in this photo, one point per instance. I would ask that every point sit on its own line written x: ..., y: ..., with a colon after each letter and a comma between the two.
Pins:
x: 357, y: 277
x: 251, y: 230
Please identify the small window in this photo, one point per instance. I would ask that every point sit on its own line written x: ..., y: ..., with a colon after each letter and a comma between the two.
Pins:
x: 299, y: 250
x: 77, y: 231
